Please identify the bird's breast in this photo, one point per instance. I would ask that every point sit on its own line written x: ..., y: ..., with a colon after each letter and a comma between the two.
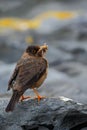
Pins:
x: 41, y: 80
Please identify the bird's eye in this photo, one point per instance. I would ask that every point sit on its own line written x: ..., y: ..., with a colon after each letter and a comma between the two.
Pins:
x: 34, y: 51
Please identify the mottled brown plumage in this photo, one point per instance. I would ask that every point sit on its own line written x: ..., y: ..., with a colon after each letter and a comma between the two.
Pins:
x: 30, y: 72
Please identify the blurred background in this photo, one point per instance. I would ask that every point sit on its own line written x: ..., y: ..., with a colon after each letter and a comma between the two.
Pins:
x: 62, y: 24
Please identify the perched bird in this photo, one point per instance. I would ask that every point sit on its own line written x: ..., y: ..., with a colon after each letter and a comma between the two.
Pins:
x: 30, y: 72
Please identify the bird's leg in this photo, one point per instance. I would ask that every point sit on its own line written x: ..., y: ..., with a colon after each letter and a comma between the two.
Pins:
x: 37, y: 94
x: 24, y: 97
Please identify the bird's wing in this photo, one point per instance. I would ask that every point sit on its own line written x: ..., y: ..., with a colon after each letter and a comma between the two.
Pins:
x: 14, y: 75
x: 31, y: 71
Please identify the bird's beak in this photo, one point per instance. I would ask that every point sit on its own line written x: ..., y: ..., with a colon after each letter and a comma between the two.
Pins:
x: 43, y: 49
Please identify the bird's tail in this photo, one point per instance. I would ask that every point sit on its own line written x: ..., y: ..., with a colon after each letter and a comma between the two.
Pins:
x: 14, y: 99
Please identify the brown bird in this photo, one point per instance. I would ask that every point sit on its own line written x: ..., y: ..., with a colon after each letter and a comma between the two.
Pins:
x: 30, y: 72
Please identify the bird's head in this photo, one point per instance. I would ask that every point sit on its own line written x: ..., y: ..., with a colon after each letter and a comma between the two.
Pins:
x: 38, y: 51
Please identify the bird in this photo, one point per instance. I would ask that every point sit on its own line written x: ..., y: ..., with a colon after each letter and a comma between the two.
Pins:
x: 30, y: 72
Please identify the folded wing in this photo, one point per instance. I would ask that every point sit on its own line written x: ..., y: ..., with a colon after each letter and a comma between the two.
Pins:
x: 31, y: 71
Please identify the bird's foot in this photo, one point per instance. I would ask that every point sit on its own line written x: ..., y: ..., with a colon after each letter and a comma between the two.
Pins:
x: 40, y: 97
x: 37, y: 94
x: 24, y: 97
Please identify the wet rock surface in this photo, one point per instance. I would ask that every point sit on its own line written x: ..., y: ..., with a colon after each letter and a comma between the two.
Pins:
x: 49, y: 114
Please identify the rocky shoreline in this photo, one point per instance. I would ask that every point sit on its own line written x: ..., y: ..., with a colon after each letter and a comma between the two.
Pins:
x: 50, y: 114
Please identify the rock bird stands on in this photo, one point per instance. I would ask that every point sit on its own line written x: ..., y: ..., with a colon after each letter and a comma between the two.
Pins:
x: 30, y: 72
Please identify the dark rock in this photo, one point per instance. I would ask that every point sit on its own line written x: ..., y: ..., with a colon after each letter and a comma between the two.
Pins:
x: 85, y: 128
x: 9, y: 54
x: 56, y: 56
x: 49, y: 114
x: 16, y: 127
x: 77, y: 51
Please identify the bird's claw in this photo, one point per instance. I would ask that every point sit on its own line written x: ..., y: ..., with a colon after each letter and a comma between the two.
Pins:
x: 24, y: 97
x: 40, y: 97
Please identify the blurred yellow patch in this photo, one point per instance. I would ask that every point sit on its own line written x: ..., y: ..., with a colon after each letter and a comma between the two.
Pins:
x: 64, y: 15
x: 29, y: 39
x: 18, y: 24
x: 24, y: 24
x: 59, y: 15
